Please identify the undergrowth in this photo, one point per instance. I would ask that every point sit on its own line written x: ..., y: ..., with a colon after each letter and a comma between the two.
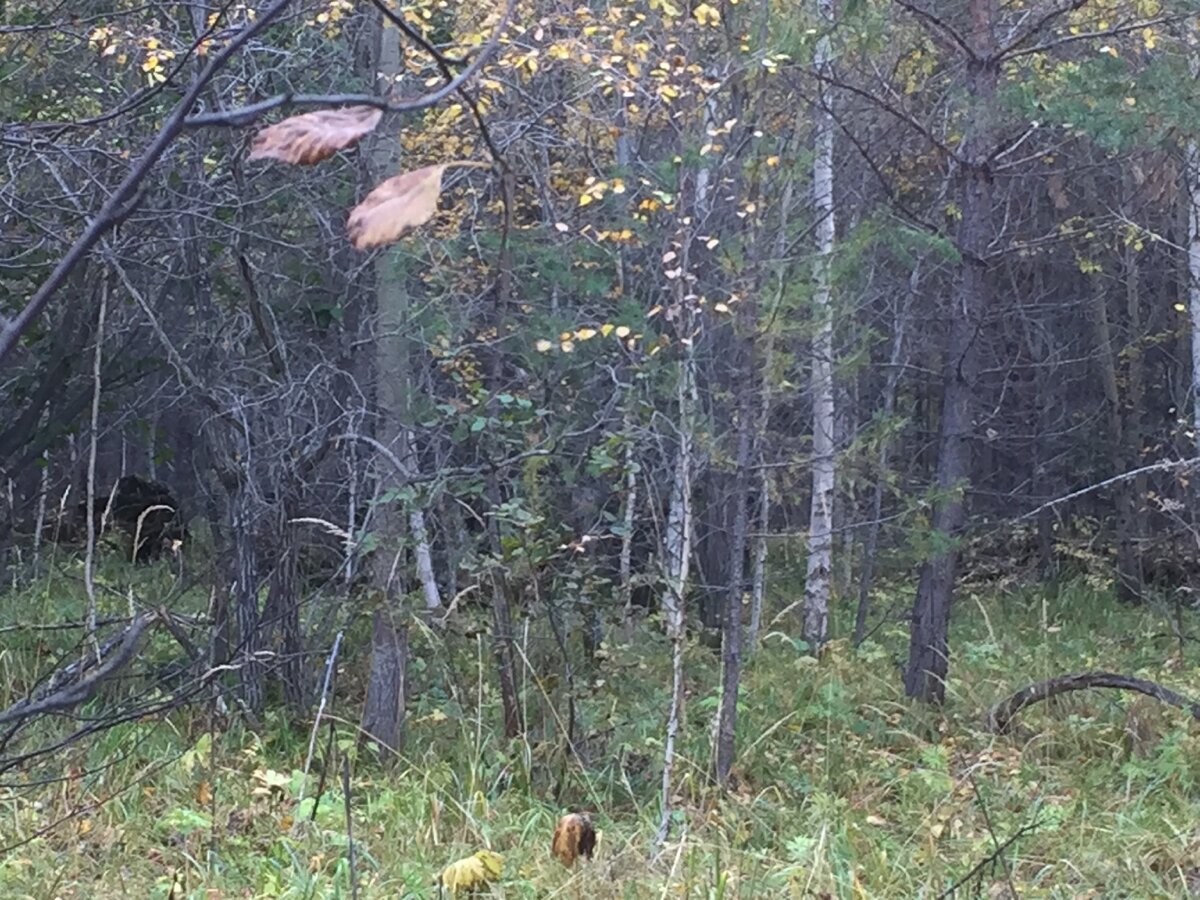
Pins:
x: 843, y: 788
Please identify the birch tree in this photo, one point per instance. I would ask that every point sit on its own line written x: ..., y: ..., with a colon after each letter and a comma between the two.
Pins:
x: 820, y: 531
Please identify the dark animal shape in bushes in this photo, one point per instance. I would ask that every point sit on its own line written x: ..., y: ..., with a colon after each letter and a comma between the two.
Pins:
x: 145, y: 511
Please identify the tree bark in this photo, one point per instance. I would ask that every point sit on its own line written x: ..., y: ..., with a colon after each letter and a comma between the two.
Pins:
x: 731, y: 642
x: 817, y: 587
x: 628, y: 520
x: 677, y: 544
x: 383, y: 715
x: 245, y: 591
x: 890, y: 384
x: 1128, y: 568
x: 502, y: 625
x: 928, y: 655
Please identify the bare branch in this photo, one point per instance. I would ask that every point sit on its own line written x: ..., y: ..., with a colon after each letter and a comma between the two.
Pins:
x: 115, y: 206
x: 245, y: 115
x: 938, y: 27
x: 85, y: 685
x: 1163, y: 465
x: 1090, y: 36
x: 1002, y: 713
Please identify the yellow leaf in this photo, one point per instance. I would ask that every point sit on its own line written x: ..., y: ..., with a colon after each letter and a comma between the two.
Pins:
x: 622, y: 331
x: 543, y: 346
x: 606, y: 329
x: 585, y: 199
x: 585, y: 334
x: 567, y: 346
x: 706, y: 15
x: 1179, y: 307
x: 473, y: 872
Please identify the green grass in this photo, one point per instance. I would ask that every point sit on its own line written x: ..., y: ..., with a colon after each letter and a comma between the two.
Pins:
x: 843, y: 788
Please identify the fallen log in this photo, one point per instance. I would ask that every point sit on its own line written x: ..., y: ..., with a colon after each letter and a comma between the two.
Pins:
x: 1000, y: 716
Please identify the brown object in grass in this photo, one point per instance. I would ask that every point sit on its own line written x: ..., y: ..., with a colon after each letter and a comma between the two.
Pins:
x: 574, y: 837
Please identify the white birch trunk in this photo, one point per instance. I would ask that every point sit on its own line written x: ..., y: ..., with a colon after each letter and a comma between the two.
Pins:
x: 678, y: 539
x: 758, y: 577
x: 89, y: 564
x: 625, y: 572
x: 416, y: 523
x: 820, y: 549
x: 678, y: 554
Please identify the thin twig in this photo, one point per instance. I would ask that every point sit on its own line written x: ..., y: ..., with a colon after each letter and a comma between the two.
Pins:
x: 991, y: 858
x: 89, y: 562
x: 312, y: 740
x: 124, y: 196
x: 349, y: 828
x: 247, y: 115
x: 1163, y: 465
x: 987, y: 821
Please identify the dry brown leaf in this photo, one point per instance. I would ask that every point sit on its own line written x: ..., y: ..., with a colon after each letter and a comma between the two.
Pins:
x: 574, y: 837
x: 311, y: 137
x: 395, y: 207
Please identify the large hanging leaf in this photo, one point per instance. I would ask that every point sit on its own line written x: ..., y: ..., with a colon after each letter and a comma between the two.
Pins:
x: 396, y: 206
x: 473, y: 872
x: 309, y: 138
x: 574, y: 837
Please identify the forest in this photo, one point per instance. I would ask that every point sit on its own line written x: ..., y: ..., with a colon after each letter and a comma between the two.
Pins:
x: 606, y: 448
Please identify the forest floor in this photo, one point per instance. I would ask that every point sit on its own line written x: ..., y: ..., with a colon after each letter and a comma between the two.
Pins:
x: 844, y: 789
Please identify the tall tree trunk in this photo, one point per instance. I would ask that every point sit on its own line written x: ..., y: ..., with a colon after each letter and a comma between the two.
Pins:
x: 820, y: 530
x: 628, y: 520
x: 1134, y: 491
x: 890, y: 383
x: 731, y: 642
x: 383, y: 708
x: 502, y: 626
x: 283, y: 602
x: 928, y: 654
x: 384, y: 713
x: 1128, y: 569
x: 245, y: 591
x: 758, y: 576
x: 677, y: 544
